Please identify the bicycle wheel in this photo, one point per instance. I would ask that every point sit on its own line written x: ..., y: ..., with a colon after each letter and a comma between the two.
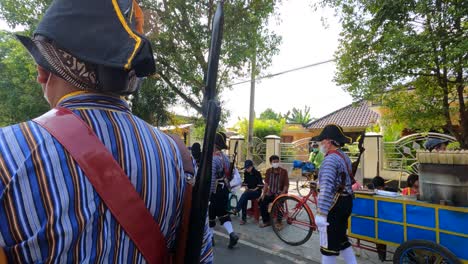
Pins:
x: 423, y: 252
x: 291, y: 221
x: 303, y: 186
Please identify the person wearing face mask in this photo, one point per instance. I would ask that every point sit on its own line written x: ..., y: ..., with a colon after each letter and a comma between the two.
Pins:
x: 254, y: 183
x: 335, y: 200
x: 316, y: 156
x: 276, y: 183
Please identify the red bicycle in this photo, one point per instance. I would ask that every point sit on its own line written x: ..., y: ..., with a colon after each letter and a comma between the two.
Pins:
x: 293, y: 218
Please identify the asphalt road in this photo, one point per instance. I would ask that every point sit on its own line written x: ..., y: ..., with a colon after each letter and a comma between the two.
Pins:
x: 246, y: 252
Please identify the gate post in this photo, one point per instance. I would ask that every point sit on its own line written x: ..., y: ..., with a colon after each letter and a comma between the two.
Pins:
x: 240, y: 148
x: 373, y: 156
x: 272, y: 146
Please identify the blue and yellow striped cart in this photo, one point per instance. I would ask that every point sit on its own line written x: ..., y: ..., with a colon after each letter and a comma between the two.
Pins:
x: 422, y: 232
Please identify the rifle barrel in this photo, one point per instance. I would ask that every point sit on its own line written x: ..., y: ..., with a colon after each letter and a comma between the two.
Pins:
x: 212, y: 109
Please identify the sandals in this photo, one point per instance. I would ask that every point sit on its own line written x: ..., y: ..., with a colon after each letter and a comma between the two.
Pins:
x: 242, y: 222
x: 263, y: 225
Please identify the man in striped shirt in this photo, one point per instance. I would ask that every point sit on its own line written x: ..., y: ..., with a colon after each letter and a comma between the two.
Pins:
x: 335, y: 200
x: 276, y: 183
x: 49, y: 210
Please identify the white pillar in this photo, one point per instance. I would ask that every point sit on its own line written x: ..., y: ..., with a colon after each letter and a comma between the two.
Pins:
x: 372, y: 159
x: 272, y: 146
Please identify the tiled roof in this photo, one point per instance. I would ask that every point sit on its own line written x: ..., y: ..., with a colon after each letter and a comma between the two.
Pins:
x: 353, y: 115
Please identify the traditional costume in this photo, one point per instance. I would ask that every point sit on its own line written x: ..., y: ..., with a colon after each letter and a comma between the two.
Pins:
x: 220, y: 189
x: 335, y: 199
x: 50, y: 210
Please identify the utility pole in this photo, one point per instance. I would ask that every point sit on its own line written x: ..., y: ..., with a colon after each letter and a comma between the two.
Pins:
x: 253, y: 69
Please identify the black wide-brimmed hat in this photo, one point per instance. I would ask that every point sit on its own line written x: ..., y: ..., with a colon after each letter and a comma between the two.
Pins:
x: 333, y: 132
x: 220, y: 140
x: 93, y: 44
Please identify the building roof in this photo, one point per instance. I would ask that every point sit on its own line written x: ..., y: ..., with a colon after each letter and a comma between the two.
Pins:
x: 354, y: 115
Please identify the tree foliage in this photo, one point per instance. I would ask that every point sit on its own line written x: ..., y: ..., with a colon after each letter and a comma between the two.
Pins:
x: 22, y: 97
x: 299, y: 116
x: 152, y: 101
x: 262, y: 128
x: 407, y: 44
x: 269, y: 114
x: 180, y: 34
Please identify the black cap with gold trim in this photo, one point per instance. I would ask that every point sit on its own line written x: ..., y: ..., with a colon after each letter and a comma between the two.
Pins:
x: 97, y: 40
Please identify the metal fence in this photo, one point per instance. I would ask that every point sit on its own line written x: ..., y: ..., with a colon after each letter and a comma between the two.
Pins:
x: 299, y: 150
x: 400, y: 155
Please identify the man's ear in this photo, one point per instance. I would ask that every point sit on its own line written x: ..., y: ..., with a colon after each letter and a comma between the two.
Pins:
x: 42, y: 75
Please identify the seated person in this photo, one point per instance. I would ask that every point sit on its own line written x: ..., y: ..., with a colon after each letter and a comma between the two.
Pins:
x: 378, y: 183
x: 276, y: 183
x: 413, y: 185
x: 254, y: 183
x: 436, y: 144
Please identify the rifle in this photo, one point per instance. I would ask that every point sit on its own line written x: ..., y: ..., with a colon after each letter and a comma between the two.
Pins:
x: 233, y: 163
x: 355, y: 164
x: 201, y: 190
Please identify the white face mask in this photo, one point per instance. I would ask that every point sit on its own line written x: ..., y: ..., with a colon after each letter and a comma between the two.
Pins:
x: 275, y: 165
x: 323, y: 149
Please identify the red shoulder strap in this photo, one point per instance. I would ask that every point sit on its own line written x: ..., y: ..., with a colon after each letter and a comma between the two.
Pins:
x: 109, y: 180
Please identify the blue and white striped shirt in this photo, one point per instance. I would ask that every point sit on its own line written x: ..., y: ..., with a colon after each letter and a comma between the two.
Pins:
x: 330, y: 179
x: 49, y: 211
x: 220, y: 164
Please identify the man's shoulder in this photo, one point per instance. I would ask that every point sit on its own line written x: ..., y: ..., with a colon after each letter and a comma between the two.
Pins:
x: 283, y: 170
x: 23, y: 129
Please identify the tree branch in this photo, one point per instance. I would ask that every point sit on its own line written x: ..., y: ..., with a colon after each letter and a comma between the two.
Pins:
x: 181, y: 94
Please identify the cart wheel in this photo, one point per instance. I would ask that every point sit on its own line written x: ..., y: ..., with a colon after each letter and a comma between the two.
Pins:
x: 423, y: 252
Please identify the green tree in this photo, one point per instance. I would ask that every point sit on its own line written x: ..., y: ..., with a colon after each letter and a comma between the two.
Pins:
x: 152, y: 101
x: 299, y: 116
x: 22, y: 97
x: 262, y: 128
x: 269, y: 114
x: 180, y: 34
x: 390, y: 45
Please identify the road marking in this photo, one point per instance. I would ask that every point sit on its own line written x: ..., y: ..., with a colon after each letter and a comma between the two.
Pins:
x: 264, y: 249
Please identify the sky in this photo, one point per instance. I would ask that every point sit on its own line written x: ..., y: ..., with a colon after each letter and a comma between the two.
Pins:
x: 305, y: 41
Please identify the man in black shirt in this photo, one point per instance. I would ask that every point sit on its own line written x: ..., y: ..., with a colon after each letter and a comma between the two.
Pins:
x: 254, y: 183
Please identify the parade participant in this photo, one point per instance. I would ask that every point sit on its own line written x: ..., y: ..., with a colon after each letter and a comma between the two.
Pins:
x: 196, y: 152
x: 276, y: 183
x: 436, y: 144
x: 335, y: 200
x: 220, y: 189
x: 253, y: 182
x: 52, y: 210
x: 413, y: 185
